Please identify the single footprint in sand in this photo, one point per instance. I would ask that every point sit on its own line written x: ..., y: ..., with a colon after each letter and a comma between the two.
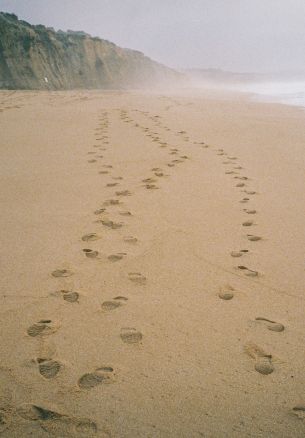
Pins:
x: 110, y: 224
x: 130, y: 239
x: 131, y: 335
x: 56, y: 424
x: 149, y: 180
x: 100, y: 211
x: 90, y: 237
x: 137, y: 278
x: 116, y: 257
x: 248, y: 272
x: 62, y: 273
x: 151, y: 186
x: 90, y: 253
x: 103, y: 172
x: 226, y: 293
x: 263, y: 363
x: 48, y: 368
x: 249, y: 211
x: 253, y: 238
x: 159, y: 174
x: 244, y: 200
x: 41, y: 328
x: 244, y: 178
x: 102, y: 375
x: 239, y: 253
x: 112, y: 202
x: 70, y: 296
x: 125, y: 213
x: 247, y: 223
x: 123, y: 193
x: 271, y: 325
x: 240, y: 185
x: 110, y: 305
x: 299, y: 411
x: 250, y: 192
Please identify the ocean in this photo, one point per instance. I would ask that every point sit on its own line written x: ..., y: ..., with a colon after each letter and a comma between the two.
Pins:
x: 290, y: 93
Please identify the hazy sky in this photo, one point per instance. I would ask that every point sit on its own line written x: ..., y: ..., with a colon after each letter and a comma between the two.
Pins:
x: 236, y: 35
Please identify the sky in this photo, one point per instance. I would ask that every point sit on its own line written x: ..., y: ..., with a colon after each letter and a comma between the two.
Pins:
x: 234, y: 35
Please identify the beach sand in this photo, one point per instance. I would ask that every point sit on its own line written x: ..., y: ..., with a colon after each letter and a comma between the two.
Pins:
x: 152, y: 266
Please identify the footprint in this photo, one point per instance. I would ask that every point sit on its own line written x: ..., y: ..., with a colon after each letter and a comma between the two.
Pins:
x: 110, y: 305
x: 123, y: 193
x: 151, y: 186
x: 111, y: 184
x: 272, y: 325
x: 112, y: 202
x: 240, y: 185
x: 90, y: 237
x: 91, y: 161
x: 111, y: 224
x: 71, y: 297
x: 131, y: 336
x: 247, y: 223
x: 130, y: 239
x: 253, y: 238
x: 62, y: 273
x: 137, y: 278
x: 239, y: 253
x: 100, y: 211
x: 149, y: 180
x: 90, y: 253
x: 57, y: 424
x: 41, y: 328
x: 248, y: 272
x: 226, y: 295
x: 100, y: 376
x: 116, y: 257
x: 244, y: 200
x: 49, y: 368
x: 125, y: 213
x: 250, y: 192
x: 263, y: 364
x: 103, y: 172
x: 250, y: 211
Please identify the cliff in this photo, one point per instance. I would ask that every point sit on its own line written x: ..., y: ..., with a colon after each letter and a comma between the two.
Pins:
x: 37, y: 57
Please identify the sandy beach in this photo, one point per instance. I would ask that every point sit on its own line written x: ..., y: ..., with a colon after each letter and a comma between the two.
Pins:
x: 152, y: 265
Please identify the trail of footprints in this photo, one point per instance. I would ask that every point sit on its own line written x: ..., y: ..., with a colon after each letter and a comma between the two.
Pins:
x: 50, y: 367
x: 263, y: 361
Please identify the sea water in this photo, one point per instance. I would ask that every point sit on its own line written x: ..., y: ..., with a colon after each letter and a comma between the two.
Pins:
x: 290, y: 93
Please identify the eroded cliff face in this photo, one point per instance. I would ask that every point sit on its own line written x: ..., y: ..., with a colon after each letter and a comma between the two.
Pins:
x: 36, y: 57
